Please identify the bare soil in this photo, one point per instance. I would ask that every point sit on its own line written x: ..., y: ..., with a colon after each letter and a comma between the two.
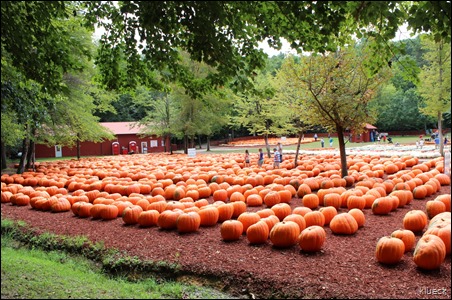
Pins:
x: 345, y: 268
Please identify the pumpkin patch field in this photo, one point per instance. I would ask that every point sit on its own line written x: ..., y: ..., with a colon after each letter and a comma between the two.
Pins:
x: 383, y: 231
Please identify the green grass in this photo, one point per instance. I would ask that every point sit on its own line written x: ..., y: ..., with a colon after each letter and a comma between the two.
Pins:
x: 402, y: 140
x: 220, y: 150
x: 36, y: 274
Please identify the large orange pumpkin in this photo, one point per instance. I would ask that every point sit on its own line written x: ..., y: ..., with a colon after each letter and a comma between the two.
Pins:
x: 258, y: 232
x: 415, y: 220
x: 188, y: 222
x: 343, y: 223
x: 231, y: 230
x: 148, y: 218
x: 389, y: 250
x: 284, y: 234
x: 430, y: 252
x: 312, y: 238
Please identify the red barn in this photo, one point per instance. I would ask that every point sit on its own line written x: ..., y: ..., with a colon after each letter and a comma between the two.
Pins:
x: 127, y: 142
x: 369, y: 135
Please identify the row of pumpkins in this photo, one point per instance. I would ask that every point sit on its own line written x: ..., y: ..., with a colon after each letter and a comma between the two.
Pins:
x: 181, y: 204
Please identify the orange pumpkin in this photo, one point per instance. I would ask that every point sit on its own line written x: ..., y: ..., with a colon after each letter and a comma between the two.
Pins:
x: 148, y: 218
x: 231, y: 230
x: 328, y: 212
x: 225, y: 211
x: 109, y: 212
x: 389, y: 250
x: 281, y: 210
x: 248, y: 219
x: 382, y: 205
x: 188, y: 222
x: 358, y: 215
x: 344, y: 223
x: 167, y: 219
x: 312, y: 238
x: 434, y: 207
x: 430, y: 252
x: 131, y: 213
x: 272, y: 198
x: 285, y: 234
x: 310, y: 200
x: 407, y: 236
x: 415, y: 220
x: 297, y: 219
x: 314, y: 218
x: 333, y: 200
x: 258, y: 232
x: 443, y: 231
x: 209, y: 215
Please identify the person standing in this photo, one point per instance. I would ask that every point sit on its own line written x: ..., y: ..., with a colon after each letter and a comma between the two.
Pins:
x: 421, y: 143
x: 260, y: 161
x: 315, y: 137
x: 247, y: 158
x: 331, y: 141
x: 279, y: 146
x: 322, y: 142
x: 276, y: 158
x: 437, y: 142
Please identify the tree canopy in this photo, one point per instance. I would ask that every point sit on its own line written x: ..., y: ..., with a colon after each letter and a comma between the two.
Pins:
x: 225, y: 34
x: 47, y: 51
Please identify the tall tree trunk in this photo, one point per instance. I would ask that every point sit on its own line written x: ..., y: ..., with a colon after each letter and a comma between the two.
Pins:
x: 31, y: 156
x: 300, y: 137
x: 78, y: 149
x: 3, y: 157
x: 21, y: 167
x: 267, y: 146
x: 167, y: 138
x: 208, y: 143
x: 440, y: 132
x: 340, y: 137
x: 185, y: 144
x: 199, y: 141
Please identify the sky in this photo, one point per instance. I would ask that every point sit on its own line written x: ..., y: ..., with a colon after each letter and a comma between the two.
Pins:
x: 402, y: 34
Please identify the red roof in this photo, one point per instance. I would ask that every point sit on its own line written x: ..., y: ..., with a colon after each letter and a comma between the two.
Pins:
x: 368, y: 126
x: 123, y: 127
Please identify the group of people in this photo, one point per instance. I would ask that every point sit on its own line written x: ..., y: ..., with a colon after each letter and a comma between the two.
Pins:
x: 277, y: 157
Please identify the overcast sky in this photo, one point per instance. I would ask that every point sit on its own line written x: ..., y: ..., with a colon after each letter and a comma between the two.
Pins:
x: 402, y: 34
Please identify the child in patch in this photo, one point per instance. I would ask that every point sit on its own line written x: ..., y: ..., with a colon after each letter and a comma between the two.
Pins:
x: 247, y: 158
x: 279, y: 146
x: 276, y: 158
x: 260, y: 161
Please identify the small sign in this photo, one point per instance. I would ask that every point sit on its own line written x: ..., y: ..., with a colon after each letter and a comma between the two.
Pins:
x: 191, y: 152
x: 283, y: 138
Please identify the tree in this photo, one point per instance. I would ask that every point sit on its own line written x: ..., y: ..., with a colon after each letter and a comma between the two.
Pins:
x: 73, y: 119
x: 293, y: 100
x: 41, y: 42
x: 339, y: 89
x: 161, y: 117
x: 397, y: 110
x: 225, y: 34
x: 260, y: 111
x: 434, y: 83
